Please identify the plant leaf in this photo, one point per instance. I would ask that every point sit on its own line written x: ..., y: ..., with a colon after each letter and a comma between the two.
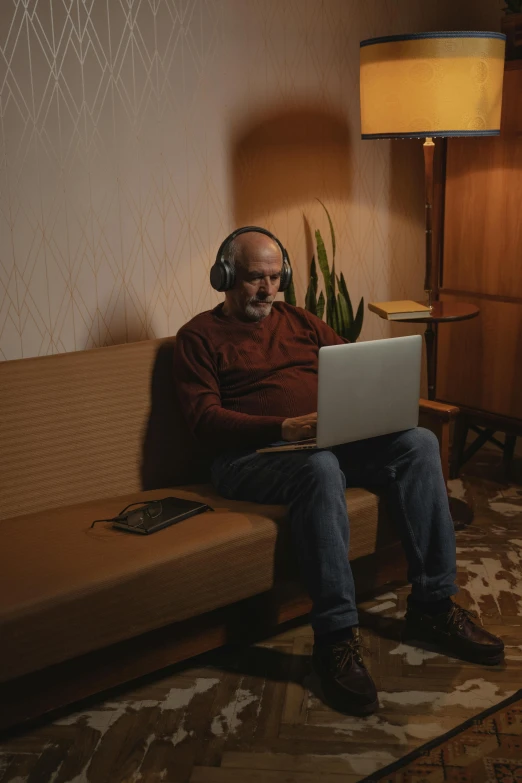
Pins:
x: 311, y: 292
x: 346, y: 320
x: 337, y: 319
x: 323, y: 262
x: 332, y: 318
x: 310, y: 299
x: 313, y: 273
x: 358, y: 322
x: 342, y: 310
x: 320, y: 305
x: 332, y: 232
x: 329, y: 316
x: 343, y: 288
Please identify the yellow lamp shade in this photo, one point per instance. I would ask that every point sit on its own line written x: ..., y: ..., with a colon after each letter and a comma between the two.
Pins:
x: 432, y: 84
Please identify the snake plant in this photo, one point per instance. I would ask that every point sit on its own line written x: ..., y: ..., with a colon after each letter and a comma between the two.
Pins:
x: 336, y: 299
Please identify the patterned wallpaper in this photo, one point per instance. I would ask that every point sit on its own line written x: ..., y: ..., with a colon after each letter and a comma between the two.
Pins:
x: 135, y: 134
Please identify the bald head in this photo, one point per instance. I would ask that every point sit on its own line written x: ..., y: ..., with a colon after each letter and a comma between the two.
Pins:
x: 258, y: 262
x: 252, y: 245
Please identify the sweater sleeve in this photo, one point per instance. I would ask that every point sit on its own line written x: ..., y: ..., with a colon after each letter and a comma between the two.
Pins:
x: 197, y: 384
x: 325, y: 334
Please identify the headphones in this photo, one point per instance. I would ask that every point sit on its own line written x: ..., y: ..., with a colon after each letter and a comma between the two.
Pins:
x: 223, y: 274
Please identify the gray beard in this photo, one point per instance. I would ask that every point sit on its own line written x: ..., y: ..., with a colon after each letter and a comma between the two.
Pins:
x: 255, y: 314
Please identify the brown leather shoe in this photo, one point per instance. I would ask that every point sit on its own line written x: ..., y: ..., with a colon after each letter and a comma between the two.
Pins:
x: 345, y: 682
x: 454, y: 633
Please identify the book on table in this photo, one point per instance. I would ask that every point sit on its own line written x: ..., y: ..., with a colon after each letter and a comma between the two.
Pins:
x: 396, y: 311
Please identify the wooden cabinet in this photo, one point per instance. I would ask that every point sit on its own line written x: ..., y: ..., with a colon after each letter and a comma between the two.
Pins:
x: 479, y: 363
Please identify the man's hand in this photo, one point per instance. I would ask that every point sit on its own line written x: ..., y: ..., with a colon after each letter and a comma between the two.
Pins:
x: 300, y: 428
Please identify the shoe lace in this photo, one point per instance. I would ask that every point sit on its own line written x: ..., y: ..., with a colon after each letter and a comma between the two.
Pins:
x: 343, y: 652
x: 459, y: 616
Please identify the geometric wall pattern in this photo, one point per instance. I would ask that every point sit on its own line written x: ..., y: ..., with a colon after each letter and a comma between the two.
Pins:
x: 134, y: 134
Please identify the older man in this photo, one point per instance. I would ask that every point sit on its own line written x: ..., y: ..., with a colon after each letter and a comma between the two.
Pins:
x: 247, y: 376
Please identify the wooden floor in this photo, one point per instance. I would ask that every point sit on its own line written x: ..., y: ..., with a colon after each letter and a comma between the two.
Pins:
x: 251, y: 714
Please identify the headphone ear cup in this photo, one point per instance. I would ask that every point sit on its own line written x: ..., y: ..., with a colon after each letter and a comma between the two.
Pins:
x: 216, y: 277
x: 222, y: 275
x: 286, y: 276
x: 230, y: 275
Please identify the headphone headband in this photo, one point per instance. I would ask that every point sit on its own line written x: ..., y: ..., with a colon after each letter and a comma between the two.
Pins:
x: 223, y: 275
x: 247, y: 230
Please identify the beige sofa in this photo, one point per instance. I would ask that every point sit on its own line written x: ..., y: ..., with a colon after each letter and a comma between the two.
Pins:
x: 84, y: 434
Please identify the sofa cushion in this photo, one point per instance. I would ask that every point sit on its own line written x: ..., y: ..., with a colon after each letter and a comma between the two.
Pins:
x: 92, y: 424
x: 67, y: 589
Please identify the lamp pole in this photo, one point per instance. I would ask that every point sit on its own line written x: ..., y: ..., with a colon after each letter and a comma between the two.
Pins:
x: 429, y: 151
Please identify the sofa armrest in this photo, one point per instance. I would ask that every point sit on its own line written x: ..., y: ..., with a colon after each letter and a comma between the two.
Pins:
x: 437, y: 416
x: 441, y: 410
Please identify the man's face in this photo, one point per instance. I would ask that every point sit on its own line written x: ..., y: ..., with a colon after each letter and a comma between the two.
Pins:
x: 258, y: 274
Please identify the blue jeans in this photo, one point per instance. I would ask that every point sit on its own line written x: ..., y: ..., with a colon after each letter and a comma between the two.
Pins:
x: 404, y: 468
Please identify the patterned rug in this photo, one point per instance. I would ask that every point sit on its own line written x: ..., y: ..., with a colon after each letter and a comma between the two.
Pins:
x: 484, y: 749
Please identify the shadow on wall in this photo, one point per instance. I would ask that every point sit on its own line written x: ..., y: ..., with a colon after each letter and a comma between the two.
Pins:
x: 122, y: 322
x: 169, y: 456
x: 285, y: 157
x: 121, y: 334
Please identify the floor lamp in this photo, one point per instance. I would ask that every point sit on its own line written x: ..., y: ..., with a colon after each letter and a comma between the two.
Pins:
x: 428, y: 85
x: 432, y: 85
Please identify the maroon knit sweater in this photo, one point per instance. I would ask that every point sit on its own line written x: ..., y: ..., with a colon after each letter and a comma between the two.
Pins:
x: 238, y: 381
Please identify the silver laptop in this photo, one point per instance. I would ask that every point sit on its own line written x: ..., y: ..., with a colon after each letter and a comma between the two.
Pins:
x: 365, y: 390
